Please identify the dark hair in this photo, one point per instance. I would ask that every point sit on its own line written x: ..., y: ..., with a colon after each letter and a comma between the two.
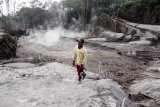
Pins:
x: 81, y: 40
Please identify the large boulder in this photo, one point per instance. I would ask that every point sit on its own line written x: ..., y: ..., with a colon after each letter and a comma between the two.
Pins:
x: 112, y: 36
x: 8, y: 46
x: 151, y: 37
x: 148, y: 87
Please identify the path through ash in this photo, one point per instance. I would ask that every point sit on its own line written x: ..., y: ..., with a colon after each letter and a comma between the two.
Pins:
x: 55, y: 85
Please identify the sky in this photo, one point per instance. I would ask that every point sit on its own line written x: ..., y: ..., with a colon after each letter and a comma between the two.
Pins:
x: 19, y: 2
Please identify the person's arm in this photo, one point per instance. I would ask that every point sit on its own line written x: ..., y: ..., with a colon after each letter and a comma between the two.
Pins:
x: 74, y: 56
x: 85, y: 58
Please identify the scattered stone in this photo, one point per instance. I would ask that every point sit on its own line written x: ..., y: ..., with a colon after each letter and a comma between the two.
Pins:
x: 39, y: 58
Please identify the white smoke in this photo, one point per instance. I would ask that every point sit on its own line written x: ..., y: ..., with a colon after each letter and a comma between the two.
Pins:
x: 51, y: 37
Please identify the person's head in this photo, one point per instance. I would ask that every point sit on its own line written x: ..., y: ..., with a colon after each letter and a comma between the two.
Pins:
x: 80, y: 43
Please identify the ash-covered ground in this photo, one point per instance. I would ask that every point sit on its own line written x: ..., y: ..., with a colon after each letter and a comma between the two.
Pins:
x: 43, y: 76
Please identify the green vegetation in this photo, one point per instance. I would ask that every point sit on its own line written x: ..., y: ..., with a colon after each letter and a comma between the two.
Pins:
x: 145, y: 3
x: 149, y: 2
x: 141, y: 11
x: 129, y: 6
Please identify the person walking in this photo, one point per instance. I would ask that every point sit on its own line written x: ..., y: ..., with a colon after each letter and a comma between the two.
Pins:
x: 80, y: 59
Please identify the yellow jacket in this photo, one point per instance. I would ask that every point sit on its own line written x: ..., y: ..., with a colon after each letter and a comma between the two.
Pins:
x: 80, y: 55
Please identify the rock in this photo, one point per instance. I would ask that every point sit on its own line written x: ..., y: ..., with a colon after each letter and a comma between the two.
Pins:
x: 97, y: 39
x: 146, y: 38
x: 8, y: 46
x: 151, y: 37
x: 148, y: 87
x: 139, y: 34
x: 153, y: 71
x: 127, y: 38
x: 113, y: 37
x: 142, y: 42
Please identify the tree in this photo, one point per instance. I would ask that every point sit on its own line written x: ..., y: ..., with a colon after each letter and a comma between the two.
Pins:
x: 47, y: 4
x: 80, y: 7
x: 7, y: 2
x: 36, y: 3
x: 1, y: 8
x: 32, y: 17
x: 14, y: 6
x: 7, y: 21
x: 73, y: 4
x: 101, y: 6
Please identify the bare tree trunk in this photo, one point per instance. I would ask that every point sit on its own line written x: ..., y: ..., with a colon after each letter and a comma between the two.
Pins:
x: 14, y: 6
x: 8, y: 26
x: 85, y: 12
x: 1, y: 9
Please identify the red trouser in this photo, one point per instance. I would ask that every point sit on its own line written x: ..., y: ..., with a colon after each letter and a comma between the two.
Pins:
x: 79, y: 69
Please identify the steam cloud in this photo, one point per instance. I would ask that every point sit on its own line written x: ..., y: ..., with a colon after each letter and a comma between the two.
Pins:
x: 51, y: 37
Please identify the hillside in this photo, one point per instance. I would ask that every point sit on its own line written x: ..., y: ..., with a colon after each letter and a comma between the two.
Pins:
x: 142, y: 11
